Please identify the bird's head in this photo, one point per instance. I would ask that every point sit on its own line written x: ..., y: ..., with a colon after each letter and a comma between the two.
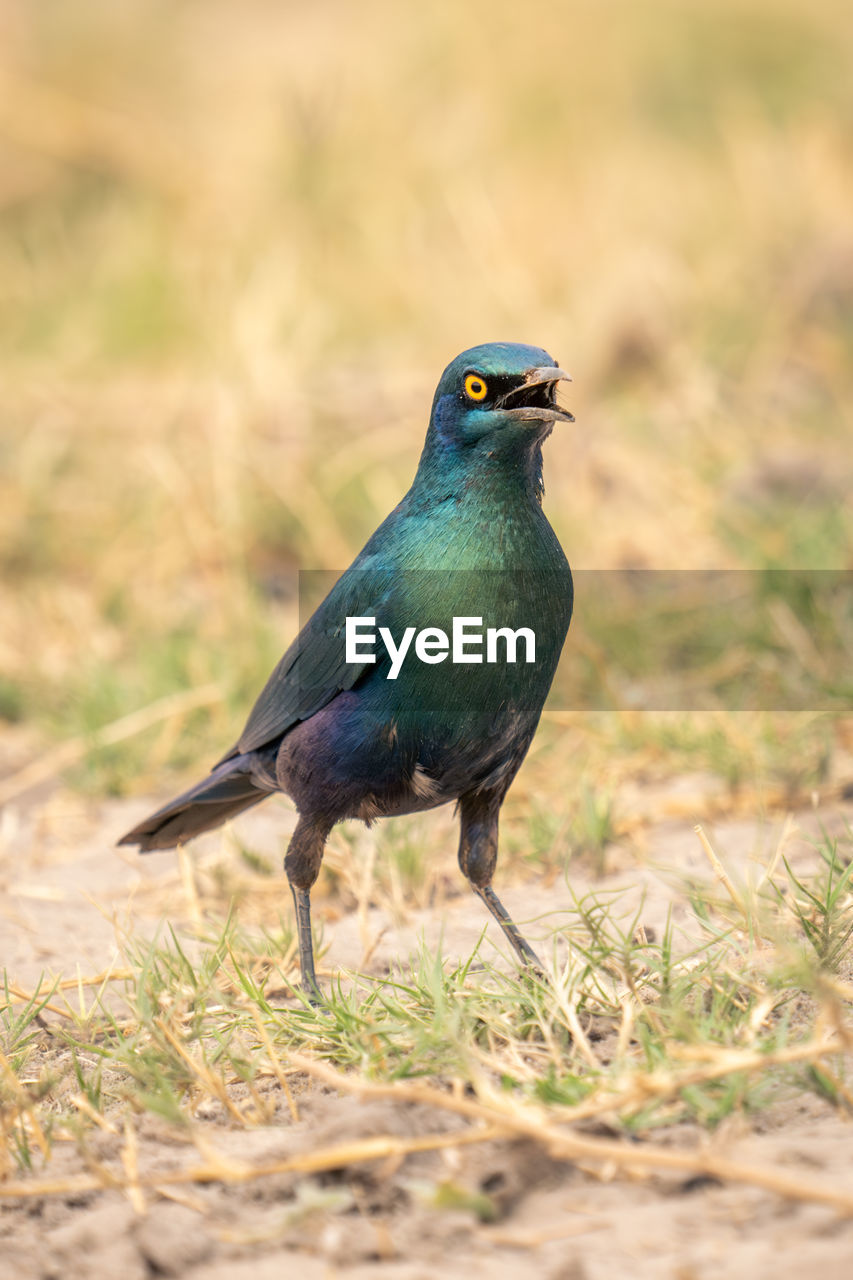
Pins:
x: 500, y: 395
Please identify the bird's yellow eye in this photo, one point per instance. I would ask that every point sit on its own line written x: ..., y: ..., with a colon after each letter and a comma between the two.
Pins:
x: 475, y: 387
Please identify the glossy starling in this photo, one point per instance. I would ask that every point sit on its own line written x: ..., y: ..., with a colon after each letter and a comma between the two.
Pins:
x: 385, y: 730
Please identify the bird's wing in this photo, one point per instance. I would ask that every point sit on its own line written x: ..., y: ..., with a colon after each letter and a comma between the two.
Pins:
x: 314, y: 669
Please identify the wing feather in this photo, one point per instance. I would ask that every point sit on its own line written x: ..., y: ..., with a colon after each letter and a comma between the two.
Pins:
x: 314, y: 670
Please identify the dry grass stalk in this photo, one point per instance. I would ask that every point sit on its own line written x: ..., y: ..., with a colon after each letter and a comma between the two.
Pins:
x: 275, y: 1064
x: 26, y: 998
x: 84, y: 1106
x: 188, y: 881
x: 788, y: 829
x: 185, y: 1198
x: 579, y: 1038
x: 528, y: 1121
x: 212, y: 1084
x: 24, y: 1107
x: 535, y: 1239
x: 218, y: 1169
x: 130, y: 1164
x: 720, y: 871
x: 76, y: 749
x: 364, y: 889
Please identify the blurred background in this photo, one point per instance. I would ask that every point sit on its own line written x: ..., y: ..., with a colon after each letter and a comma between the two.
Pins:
x: 239, y: 243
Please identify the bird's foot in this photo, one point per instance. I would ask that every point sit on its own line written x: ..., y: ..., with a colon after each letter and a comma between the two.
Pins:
x: 311, y: 993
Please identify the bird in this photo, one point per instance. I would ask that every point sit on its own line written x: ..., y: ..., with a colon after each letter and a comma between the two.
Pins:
x: 344, y: 738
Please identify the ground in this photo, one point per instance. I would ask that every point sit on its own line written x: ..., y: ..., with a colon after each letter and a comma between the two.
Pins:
x: 69, y: 893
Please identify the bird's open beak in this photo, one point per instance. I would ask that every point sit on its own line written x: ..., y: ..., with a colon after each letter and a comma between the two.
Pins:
x: 536, y: 399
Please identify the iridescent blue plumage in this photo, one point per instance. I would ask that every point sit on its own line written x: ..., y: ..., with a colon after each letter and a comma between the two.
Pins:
x: 469, y: 539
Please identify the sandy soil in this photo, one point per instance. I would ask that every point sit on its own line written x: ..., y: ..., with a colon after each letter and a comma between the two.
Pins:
x: 65, y: 888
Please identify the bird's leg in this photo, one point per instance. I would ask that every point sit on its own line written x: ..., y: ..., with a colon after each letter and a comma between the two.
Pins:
x: 302, y: 865
x: 302, y: 903
x: 478, y: 852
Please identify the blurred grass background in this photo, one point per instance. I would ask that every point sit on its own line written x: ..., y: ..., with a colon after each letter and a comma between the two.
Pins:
x: 238, y: 244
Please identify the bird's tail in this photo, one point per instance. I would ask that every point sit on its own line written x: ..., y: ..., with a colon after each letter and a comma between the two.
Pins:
x: 232, y: 786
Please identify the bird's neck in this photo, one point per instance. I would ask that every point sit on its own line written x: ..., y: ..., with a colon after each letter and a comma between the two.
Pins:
x: 480, y: 476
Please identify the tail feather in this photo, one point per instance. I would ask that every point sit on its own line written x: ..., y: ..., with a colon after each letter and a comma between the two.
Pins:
x: 232, y: 786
